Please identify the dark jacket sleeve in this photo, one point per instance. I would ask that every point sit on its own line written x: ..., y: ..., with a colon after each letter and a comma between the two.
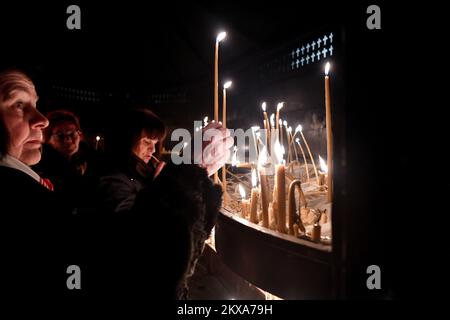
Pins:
x: 182, y: 195
x: 161, y: 236
x: 116, y: 193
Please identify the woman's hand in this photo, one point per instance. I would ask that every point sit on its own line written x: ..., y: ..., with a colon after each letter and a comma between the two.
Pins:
x: 215, y: 147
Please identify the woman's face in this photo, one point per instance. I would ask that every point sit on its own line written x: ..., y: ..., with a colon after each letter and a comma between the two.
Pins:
x: 24, y: 124
x: 65, y: 138
x: 145, y: 147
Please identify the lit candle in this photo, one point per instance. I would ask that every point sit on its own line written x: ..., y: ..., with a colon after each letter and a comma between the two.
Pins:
x: 224, y: 120
x: 280, y: 132
x: 315, y: 233
x: 300, y: 129
x: 273, y: 135
x: 245, y: 202
x: 329, y: 134
x: 219, y: 38
x: 277, y: 120
x: 323, y: 171
x: 254, y: 199
x: 281, y: 188
x: 266, y: 123
x: 262, y: 165
x: 292, y: 208
x: 97, y: 139
x: 205, y: 121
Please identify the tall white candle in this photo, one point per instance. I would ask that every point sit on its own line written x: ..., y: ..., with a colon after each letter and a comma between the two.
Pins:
x: 329, y: 134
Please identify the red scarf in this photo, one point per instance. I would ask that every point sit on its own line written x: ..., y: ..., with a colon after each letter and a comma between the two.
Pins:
x: 47, y: 183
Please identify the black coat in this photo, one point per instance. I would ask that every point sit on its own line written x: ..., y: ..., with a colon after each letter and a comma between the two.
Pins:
x: 74, y: 180
x: 119, y: 185
x: 120, y: 255
x: 163, y: 233
x: 36, y: 235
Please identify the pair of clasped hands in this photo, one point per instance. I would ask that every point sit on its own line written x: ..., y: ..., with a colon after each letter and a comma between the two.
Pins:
x: 215, y: 149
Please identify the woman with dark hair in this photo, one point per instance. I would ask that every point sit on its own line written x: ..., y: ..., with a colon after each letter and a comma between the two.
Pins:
x: 130, y: 150
x: 167, y: 218
x: 172, y: 210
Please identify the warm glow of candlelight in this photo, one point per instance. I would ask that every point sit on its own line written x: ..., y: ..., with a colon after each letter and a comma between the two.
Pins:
x: 327, y: 68
x: 263, y: 156
x: 254, y: 179
x: 278, y: 151
x: 97, y: 138
x: 242, y: 191
x: 298, y: 129
x: 279, y: 106
x: 227, y: 84
x: 221, y: 36
x: 263, y: 106
x: 272, y: 120
x: 323, y: 165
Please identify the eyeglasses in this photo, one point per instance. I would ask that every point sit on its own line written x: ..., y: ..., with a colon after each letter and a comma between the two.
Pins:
x: 70, y: 134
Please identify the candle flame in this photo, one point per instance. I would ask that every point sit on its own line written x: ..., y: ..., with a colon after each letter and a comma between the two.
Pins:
x: 279, y: 151
x: 97, y: 138
x: 297, y: 140
x: 263, y: 106
x: 263, y: 157
x: 221, y: 36
x: 254, y: 178
x: 299, y: 128
x: 205, y: 120
x: 242, y: 191
x: 323, y: 165
x: 327, y: 68
x: 285, y: 123
x: 280, y: 105
x: 280, y: 122
x: 289, y: 129
x: 227, y: 84
x: 272, y: 120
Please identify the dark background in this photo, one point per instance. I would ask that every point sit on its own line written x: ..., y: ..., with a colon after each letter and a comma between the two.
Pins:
x: 161, y: 55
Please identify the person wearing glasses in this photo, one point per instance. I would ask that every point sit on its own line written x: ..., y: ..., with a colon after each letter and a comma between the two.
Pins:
x: 67, y: 161
x: 119, y: 255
